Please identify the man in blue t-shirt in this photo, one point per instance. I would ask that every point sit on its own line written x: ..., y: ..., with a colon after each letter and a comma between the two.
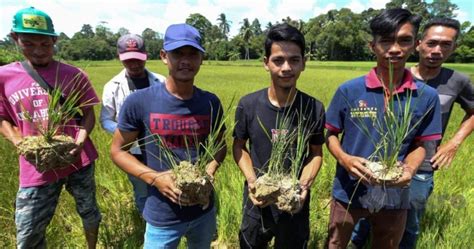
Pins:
x: 257, y: 116
x: 437, y: 43
x: 364, y: 99
x: 175, y: 111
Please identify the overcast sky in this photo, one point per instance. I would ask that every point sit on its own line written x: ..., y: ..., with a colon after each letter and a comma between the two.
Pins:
x: 136, y: 15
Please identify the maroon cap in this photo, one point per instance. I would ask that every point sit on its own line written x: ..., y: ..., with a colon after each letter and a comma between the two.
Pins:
x: 131, y: 46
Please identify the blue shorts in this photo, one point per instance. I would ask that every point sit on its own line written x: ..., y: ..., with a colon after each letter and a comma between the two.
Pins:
x: 35, y: 206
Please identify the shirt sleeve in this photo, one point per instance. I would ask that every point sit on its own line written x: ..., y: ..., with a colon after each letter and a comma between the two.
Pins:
x: 335, y: 113
x: 466, y: 96
x: 108, y: 112
x: 217, y: 117
x: 319, y: 120
x: 130, y: 117
x: 430, y: 125
x: 88, y: 95
x: 240, y: 129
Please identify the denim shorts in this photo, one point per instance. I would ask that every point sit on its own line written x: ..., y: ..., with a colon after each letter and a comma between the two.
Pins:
x: 35, y: 206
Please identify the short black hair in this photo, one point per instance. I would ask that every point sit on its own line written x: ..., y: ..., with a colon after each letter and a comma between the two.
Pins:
x: 442, y: 21
x: 284, y: 32
x: 389, y: 20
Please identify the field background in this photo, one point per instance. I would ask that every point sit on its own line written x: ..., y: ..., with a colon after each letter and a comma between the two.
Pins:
x: 448, y: 222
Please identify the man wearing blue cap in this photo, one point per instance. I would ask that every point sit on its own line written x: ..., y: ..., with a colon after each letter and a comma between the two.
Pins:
x: 24, y: 89
x: 170, y: 111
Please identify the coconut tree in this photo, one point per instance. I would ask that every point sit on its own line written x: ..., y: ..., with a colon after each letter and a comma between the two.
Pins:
x: 246, y: 32
x: 224, y: 24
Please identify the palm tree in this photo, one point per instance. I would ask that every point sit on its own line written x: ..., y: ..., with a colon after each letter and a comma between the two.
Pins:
x: 246, y: 33
x: 224, y: 24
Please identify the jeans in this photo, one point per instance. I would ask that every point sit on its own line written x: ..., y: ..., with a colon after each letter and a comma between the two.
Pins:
x: 199, y: 233
x: 35, y: 206
x: 421, y: 187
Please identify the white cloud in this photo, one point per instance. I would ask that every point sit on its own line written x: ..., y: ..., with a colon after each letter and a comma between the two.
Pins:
x: 318, y: 10
x: 356, y: 6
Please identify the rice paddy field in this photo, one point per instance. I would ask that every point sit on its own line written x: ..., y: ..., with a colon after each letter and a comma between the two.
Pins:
x: 448, y: 222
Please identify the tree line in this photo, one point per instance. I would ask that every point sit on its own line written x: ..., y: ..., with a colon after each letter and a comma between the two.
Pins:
x: 338, y: 35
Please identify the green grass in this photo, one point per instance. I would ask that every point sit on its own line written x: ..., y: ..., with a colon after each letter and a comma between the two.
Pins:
x: 448, y: 221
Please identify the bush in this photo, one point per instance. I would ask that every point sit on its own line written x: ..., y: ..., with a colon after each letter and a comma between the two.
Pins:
x: 9, y: 55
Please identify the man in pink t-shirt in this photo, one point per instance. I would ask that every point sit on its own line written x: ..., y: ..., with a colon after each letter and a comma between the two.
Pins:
x: 38, y: 194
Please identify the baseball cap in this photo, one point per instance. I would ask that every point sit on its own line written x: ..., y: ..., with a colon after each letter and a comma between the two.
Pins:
x: 131, y: 46
x: 180, y: 35
x: 33, y: 21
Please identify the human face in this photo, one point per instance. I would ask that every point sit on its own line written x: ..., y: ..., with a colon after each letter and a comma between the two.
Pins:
x: 38, y: 49
x: 394, y: 48
x: 135, y: 68
x: 183, y: 63
x: 438, y: 43
x: 285, y: 64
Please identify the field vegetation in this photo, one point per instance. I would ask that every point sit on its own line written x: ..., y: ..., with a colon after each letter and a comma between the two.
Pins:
x: 448, y: 222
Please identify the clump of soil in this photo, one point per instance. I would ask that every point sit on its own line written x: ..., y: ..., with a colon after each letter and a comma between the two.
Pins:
x: 384, y: 173
x: 48, y: 155
x: 196, y: 186
x: 267, y: 189
x: 290, y: 195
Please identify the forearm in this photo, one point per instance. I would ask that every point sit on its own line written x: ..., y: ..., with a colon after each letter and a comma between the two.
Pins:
x: 129, y: 164
x: 334, y: 146
x: 311, y: 170
x: 218, y: 159
x: 86, y: 125
x: 10, y: 132
x: 465, y: 129
x: 243, y: 160
x: 414, y: 159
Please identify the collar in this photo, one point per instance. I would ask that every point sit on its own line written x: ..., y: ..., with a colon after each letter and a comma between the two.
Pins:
x: 372, y: 81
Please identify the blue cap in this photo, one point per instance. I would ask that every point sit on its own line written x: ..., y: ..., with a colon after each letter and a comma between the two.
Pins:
x: 180, y: 35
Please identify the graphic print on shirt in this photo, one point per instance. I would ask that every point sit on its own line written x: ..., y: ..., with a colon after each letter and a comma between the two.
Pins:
x: 30, y: 101
x: 180, y: 131
x: 363, y: 110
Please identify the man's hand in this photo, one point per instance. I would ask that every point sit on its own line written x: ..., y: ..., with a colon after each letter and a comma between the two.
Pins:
x: 164, y: 182
x: 355, y: 166
x: 257, y: 203
x: 404, y: 180
x: 445, y: 155
x: 76, y: 152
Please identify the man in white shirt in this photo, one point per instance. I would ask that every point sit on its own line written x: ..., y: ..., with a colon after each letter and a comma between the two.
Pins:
x: 132, y: 53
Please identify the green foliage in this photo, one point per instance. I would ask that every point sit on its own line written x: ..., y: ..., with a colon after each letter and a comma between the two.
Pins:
x: 9, y: 55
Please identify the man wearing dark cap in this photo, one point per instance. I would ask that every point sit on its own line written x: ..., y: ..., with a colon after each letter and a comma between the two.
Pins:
x: 132, y: 53
x: 171, y: 111
x: 20, y: 92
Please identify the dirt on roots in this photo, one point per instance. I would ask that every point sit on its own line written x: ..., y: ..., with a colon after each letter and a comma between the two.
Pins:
x: 384, y: 173
x: 195, y: 185
x: 282, y: 191
x: 48, y: 155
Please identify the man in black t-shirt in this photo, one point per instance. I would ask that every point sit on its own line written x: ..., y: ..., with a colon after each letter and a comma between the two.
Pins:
x: 284, y: 60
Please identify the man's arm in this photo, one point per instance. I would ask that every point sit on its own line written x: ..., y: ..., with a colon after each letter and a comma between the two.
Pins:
x: 353, y: 165
x: 311, y: 169
x: 447, y: 151
x: 119, y: 154
x: 218, y: 158
x: 86, y: 126
x: 412, y: 161
x: 108, y: 112
x: 10, y: 132
x: 243, y: 160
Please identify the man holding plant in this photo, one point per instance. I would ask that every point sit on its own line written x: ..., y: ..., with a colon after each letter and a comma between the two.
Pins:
x: 170, y: 117
x: 22, y: 96
x: 358, y: 105
x: 438, y: 42
x: 258, y: 118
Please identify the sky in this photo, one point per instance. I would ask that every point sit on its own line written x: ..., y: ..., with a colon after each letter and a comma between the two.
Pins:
x: 136, y: 15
